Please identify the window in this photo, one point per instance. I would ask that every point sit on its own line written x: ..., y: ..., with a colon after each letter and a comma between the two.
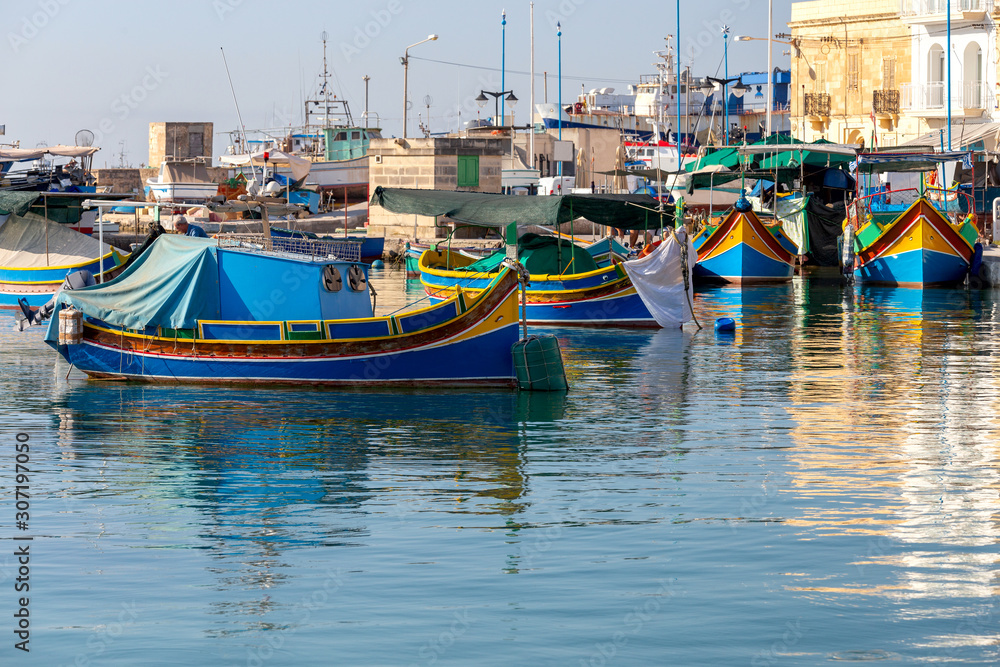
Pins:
x: 468, y: 171
x: 889, y: 73
x: 820, y: 77
x: 853, y: 71
x: 356, y: 135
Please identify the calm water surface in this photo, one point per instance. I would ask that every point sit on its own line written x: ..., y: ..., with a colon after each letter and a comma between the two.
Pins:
x: 821, y: 487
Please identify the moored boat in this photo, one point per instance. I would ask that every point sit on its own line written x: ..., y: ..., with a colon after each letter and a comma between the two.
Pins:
x: 37, y: 254
x: 193, y: 311
x: 182, y: 182
x: 916, y: 248
x: 910, y: 237
x: 742, y: 249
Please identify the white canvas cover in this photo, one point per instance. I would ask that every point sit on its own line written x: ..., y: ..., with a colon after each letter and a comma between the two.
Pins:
x: 22, y: 244
x: 299, y: 166
x: 185, y: 172
x: 659, y: 279
x: 23, y: 154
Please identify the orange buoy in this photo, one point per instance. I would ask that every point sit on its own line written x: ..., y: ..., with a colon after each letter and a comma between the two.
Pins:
x: 648, y: 248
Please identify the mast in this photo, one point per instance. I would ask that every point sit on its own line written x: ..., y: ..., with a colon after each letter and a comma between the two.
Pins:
x: 326, y: 88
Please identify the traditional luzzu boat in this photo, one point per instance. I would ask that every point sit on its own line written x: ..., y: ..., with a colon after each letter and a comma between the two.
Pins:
x: 904, y: 237
x: 742, y: 249
x: 566, y: 287
x: 191, y: 310
x: 586, y: 296
x: 37, y: 254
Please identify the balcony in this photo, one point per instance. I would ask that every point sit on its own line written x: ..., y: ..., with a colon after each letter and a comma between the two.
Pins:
x: 936, y: 11
x: 969, y: 98
x: 817, y: 105
x: 885, y: 103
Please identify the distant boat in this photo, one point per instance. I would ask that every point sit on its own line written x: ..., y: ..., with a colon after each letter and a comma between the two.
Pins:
x: 192, y: 311
x: 182, y: 182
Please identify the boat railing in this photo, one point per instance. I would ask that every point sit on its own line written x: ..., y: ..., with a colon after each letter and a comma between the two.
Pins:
x: 347, y: 250
x: 952, y: 203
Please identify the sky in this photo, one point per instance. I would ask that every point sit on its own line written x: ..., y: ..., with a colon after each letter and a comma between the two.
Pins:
x: 114, y: 66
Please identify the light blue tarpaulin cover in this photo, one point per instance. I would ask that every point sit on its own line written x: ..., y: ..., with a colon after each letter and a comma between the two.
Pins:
x: 173, y: 284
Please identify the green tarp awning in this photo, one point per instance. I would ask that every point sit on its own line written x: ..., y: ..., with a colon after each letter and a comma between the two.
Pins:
x: 16, y: 203
x: 494, y: 210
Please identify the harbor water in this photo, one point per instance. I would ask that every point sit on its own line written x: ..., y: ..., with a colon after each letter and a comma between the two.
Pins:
x: 819, y: 486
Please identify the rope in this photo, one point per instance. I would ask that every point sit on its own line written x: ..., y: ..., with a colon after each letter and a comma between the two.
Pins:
x: 687, y: 275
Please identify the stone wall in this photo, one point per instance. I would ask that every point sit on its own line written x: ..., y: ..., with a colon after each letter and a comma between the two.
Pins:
x: 427, y: 164
x: 133, y: 181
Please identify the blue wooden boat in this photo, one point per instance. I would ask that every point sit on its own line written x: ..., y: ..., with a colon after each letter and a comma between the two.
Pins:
x: 192, y: 311
x: 742, y: 249
x: 587, y: 296
x: 910, y: 237
x: 916, y: 248
x: 37, y: 254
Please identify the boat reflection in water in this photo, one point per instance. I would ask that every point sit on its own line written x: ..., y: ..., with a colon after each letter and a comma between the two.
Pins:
x: 255, y: 476
x: 894, y: 401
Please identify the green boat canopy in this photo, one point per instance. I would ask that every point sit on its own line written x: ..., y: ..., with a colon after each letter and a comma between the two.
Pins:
x: 17, y: 203
x: 494, y: 210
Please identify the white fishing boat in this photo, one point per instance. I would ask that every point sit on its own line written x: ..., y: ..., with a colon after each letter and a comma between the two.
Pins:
x: 182, y: 181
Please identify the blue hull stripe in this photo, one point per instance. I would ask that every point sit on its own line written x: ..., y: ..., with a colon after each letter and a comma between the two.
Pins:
x: 743, y: 262
x: 915, y: 267
x: 486, y: 359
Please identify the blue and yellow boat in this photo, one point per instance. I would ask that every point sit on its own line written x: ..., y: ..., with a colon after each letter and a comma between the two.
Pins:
x: 579, y: 294
x: 192, y: 311
x: 742, y: 249
x: 37, y: 254
x: 916, y: 248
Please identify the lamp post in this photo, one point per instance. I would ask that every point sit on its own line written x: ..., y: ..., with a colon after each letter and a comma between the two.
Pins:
x: 503, y: 59
x: 713, y: 85
x: 405, y: 60
x: 559, y: 38
x: 796, y: 43
x: 725, y: 86
x: 482, y: 100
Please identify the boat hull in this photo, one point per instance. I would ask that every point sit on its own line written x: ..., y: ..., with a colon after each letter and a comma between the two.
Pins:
x: 465, y: 342
x: 920, y: 248
x: 182, y: 192
x: 743, y: 250
x: 37, y: 285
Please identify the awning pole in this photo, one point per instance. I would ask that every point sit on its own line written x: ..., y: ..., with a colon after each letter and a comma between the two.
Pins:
x: 100, y: 244
x: 45, y: 200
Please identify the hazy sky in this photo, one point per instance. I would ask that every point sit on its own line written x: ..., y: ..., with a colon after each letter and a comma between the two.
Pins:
x: 114, y: 66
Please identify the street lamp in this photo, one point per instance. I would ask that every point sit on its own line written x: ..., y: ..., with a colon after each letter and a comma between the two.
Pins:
x: 712, y: 85
x: 725, y: 89
x: 503, y: 58
x: 482, y: 100
x: 559, y: 37
x: 405, y: 60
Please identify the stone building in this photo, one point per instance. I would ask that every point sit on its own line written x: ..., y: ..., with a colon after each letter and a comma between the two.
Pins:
x: 446, y: 163
x: 876, y: 69
x: 180, y: 141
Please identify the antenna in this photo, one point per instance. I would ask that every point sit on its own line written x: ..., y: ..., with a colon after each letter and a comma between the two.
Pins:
x: 243, y: 130
x: 326, y: 89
